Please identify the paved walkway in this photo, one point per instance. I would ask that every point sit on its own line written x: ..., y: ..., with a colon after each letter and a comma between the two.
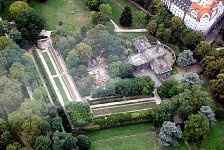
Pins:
x: 118, y: 29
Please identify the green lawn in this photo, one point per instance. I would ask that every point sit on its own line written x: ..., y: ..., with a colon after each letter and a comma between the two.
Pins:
x: 117, y: 8
x: 61, y: 89
x: 49, y: 63
x: 140, y: 136
x: 215, y: 139
x: 72, y: 13
x: 43, y: 74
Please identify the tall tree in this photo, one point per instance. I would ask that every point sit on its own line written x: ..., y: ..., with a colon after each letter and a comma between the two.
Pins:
x: 169, y: 133
x: 10, y: 94
x: 209, y: 113
x: 72, y: 59
x: 186, y: 58
x: 18, y: 71
x: 152, y: 27
x: 191, y: 78
x: 83, y: 50
x: 217, y: 86
x: 202, y: 49
x: 195, y: 128
x: 126, y: 17
x: 139, y: 18
x: 42, y: 143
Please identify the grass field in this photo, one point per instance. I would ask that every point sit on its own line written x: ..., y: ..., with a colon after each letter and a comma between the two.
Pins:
x: 117, y: 8
x: 72, y: 13
x: 42, y: 72
x: 61, y: 89
x: 140, y: 136
x: 49, y: 63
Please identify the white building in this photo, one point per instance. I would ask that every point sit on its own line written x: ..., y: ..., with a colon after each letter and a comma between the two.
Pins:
x: 197, y: 14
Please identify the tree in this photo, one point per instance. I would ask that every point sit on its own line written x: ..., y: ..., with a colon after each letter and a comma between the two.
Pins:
x: 40, y: 94
x: 169, y: 133
x: 208, y: 112
x: 14, y: 146
x: 202, y: 49
x: 145, y: 85
x: 161, y: 113
x: 16, y: 36
x: 12, y: 53
x: 18, y: 71
x: 72, y: 59
x: 176, y: 24
x: 191, y: 78
x: 191, y: 38
x: 126, y: 17
x: 196, y: 127
x: 191, y: 100
x: 79, y: 72
x: 139, y: 18
x: 170, y: 88
x: 185, y: 58
x: 63, y: 140
x: 79, y: 112
x: 98, y: 92
x: 125, y: 71
x: 217, y: 86
x: 4, y: 26
x: 29, y: 24
x: 94, y: 4
x: 56, y: 123
x: 152, y: 27
x: 113, y: 69
x: 110, y: 87
x: 45, y: 125
x: 103, y: 16
x: 10, y: 94
x: 4, y: 42
x: 160, y: 30
x: 42, y: 143
x: 127, y: 87
x: 17, y: 7
x: 83, y: 50
x: 167, y: 34
x: 83, y: 142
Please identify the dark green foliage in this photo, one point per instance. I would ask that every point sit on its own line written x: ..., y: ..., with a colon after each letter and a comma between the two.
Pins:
x: 145, y: 85
x: 125, y: 71
x: 29, y: 24
x: 191, y: 100
x: 63, y: 140
x: 94, y: 4
x: 79, y: 72
x: 161, y: 113
x: 110, y: 87
x: 79, y: 112
x: 42, y: 143
x: 83, y: 142
x: 4, y: 26
x: 99, y: 92
x: 56, y: 123
x: 170, y: 88
x: 126, y: 17
x: 127, y: 87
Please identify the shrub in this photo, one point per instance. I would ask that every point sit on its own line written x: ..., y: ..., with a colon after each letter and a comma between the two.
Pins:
x: 79, y: 112
x: 91, y: 128
x: 98, y: 92
x: 83, y: 142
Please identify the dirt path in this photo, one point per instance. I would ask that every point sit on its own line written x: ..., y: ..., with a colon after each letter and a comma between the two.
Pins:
x: 118, y: 29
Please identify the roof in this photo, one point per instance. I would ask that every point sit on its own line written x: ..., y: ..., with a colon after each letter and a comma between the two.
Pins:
x: 160, y: 66
x: 141, y: 43
x: 183, y: 4
x: 203, y: 9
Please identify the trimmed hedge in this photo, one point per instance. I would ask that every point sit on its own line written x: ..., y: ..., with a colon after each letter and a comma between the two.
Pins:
x: 120, y: 118
x: 91, y: 128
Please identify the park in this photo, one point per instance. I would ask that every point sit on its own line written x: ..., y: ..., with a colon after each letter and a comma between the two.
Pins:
x: 108, y: 75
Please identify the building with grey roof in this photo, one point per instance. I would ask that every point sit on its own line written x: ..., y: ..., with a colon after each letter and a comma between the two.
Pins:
x: 153, y: 55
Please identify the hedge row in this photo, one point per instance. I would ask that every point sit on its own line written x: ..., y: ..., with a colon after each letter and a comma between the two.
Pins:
x: 116, y: 99
x: 121, y: 118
